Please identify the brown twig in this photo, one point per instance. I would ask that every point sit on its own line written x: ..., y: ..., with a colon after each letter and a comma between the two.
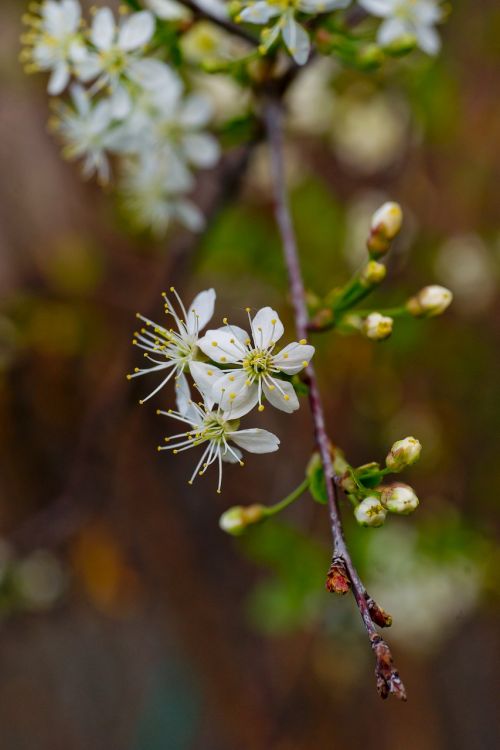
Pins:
x: 388, y: 680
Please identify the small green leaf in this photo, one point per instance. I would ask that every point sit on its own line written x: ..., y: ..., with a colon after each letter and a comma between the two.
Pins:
x: 316, y: 475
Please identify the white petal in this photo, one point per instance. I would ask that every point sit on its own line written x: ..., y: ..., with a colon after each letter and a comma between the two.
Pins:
x: 168, y: 10
x: 427, y: 13
x: 267, y: 328
x: 155, y: 75
x: 293, y: 357
x: 255, y: 440
x: 59, y: 79
x: 196, y: 111
x: 321, y: 6
x: 206, y: 377
x: 103, y: 29
x: 201, y: 149
x: 259, y: 12
x: 392, y: 29
x: 296, y: 40
x: 88, y: 67
x: 120, y: 103
x: 380, y: 8
x: 428, y: 39
x: 282, y: 396
x: 232, y: 456
x: 236, y: 333
x: 80, y: 99
x: 234, y: 396
x: 201, y: 310
x: 189, y: 215
x: 72, y: 14
x: 221, y: 346
x: 77, y: 52
x: 185, y: 405
x: 136, y: 31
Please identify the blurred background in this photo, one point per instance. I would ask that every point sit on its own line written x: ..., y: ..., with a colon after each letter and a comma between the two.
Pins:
x: 128, y: 621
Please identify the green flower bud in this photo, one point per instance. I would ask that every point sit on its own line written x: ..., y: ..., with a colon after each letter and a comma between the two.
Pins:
x: 398, y: 498
x: 370, y: 512
x: 403, y: 453
x: 235, y: 520
x: 377, y: 327
x: 373, y: 273
x: 430, y: 301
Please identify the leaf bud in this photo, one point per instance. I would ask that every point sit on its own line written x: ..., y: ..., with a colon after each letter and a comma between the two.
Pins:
x: 235, y: 520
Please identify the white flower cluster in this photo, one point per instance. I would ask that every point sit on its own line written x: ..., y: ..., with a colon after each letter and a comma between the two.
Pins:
x: 283, y: 15
x: 403, y: 18
x: 125, y: 102
x: 233, y: 370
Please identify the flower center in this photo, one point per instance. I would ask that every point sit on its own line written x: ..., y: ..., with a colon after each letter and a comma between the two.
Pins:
x: 214, y: 428
x: 114, y: 60
x: 257, y: 362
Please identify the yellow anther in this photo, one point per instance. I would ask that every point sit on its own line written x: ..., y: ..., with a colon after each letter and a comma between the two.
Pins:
x: 248, y: 309
x: 175, y: 452
x: 261, y: 407
x: 136, y: 369
x: 190, y: 481
x: 272, y: 387
x: 224, y: 320
x: 210, y: 372
x: 286, y: 397
x: 303, y: 341
x: 242, y: 463
x: 223, y: 359
x: 218, y: 492
x: 274, y: 321
x: 232, y: 396
x: 172, y: 289
x: 158, y: 411
x: 231, y: 378
x: 129, y: 377
x: 305, y: 364
x: 285, y: 356
x: 141, y: 401
x: 214, y: 343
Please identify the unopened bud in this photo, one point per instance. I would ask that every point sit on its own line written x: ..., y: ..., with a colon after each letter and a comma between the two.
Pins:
x: 370, y: 512
x: 403, y: 453
x: 430, y: 301
x: 235, y: 520
x: 377, y: 327
x: 399, y: 498
x: 337, y: 580
x: 386, y: 223
x: 348, y: 484
x: 401, y: 46
x: 373, y: 273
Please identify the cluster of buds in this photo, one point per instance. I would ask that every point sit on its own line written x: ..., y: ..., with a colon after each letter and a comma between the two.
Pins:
x: 396, y: 498
x: 235, y: 520
x: 386, y: 224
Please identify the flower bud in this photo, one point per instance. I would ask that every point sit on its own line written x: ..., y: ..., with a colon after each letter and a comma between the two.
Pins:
x: 430, y: 301
x: 398, y: 498
x: 403, y: 453
x: 377, y: 327
x: 370, y: 512
x: 386, y: 223
x: 373, y: 273
x: 236, y: 519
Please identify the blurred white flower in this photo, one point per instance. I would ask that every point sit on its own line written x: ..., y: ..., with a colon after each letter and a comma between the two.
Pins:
x: 172, y: 350
x: 311, y: 98
x: 86, y: 131
x: 40, y: 579
x: 407, y: 17
x: 213, y: 429
x: 468, y: 266
x: 295, y: 37
x: 117, y: 58
x: 54, y: 41
x: 169, y: 10
x: 253, y: 365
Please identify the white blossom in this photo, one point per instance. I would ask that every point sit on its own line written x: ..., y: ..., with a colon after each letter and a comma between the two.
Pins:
x: 169, y: 349
x: 295, y: 37
x: 54, y: 41
x: 407, y: 17
x: 403, y: 453
x: 117, y: 58
x: 399, y: 498
x: 153, y: 193
x: 169, y: 10
x: 216, y: 432
x: 86, y: 130
x: 370, y: 512
x: 253, y: 365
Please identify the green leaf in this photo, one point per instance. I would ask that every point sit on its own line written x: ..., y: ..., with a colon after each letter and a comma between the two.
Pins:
x: 316, y: 475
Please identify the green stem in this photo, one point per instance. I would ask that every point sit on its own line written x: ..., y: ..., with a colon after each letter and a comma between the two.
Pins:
x: 289, y: 499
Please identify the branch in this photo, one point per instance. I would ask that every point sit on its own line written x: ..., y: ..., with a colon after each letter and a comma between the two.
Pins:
x: 388, y: 680
x: 221, y: 21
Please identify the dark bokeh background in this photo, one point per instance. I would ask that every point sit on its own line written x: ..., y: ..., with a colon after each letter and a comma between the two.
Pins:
x: 129, y: 621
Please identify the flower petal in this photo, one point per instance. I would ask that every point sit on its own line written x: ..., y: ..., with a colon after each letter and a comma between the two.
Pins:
x: 206, y: 376
x: 59, y: 79
x: 221, y: 346
x: 392, y: 29
x: 103, y: 29
x: 293, y: 358
x: 428, y: 39
x: 201, y: 310
x: 185, y: 404
x: 255, y: 440
x: 267, y: 328
x: 154, y: 75
x: 201, y: 149
x: 282, y: 395
x: 260, y: 12
x: 196, y: 111
x: 232, y: 456
x: 136, y: 31
x: 296, y: 40
x: 235, y: 397
x: 189, y: 215
x: 380, y: 8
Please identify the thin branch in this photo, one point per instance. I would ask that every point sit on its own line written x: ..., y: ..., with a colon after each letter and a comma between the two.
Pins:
x: 221, y: 21
x: 388, y: 680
